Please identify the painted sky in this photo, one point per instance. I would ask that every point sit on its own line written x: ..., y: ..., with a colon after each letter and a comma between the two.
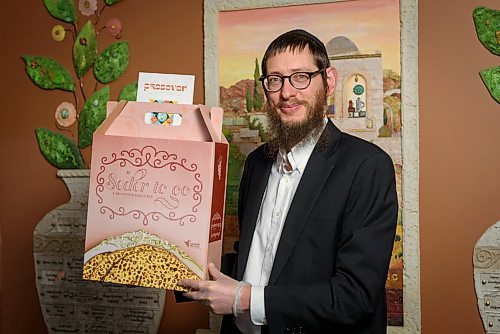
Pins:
x: 245, y: 34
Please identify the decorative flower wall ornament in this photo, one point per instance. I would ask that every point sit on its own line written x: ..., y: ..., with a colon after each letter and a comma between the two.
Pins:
x: 58, y: 33
x: 65, y: 114
x: 62, y: 151
x: 114, y: 28
x: 87, y: 7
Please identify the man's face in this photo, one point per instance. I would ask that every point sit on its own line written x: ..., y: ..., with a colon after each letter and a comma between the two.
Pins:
x: 292, y: 103
x: 293, y: 113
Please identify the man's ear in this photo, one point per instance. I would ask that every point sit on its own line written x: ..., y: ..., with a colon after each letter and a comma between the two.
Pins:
x: 331, y: 79
x: 265, y: 93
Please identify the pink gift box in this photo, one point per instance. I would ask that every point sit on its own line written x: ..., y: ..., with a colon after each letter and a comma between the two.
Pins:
x: 156, y: 195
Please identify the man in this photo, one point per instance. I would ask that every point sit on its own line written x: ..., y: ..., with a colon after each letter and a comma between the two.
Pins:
x: 317, y: 213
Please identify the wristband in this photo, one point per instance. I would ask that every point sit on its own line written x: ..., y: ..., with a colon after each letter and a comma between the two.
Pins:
x: 237, y: 299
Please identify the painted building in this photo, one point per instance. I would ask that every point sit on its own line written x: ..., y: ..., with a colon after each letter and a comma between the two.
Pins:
x: 357, y: 106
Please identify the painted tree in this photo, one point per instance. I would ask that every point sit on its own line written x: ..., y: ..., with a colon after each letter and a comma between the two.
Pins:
x: 249, y: 100
x: 257, y: 88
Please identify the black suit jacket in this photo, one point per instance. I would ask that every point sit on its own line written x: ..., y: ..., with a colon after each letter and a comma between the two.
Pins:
x: 331, y: 264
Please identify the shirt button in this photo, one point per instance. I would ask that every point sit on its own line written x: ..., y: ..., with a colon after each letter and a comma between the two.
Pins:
x: 269, y: 249
x: 278, y: 213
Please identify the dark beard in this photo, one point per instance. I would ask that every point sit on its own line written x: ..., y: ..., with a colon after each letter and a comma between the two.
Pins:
x: 287, y: 136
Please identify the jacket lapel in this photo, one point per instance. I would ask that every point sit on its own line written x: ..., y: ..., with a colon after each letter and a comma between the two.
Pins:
x: 317, y: 171
x: 256, y: 188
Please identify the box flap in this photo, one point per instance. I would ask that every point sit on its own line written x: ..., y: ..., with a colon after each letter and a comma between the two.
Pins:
x: 213, y: 121
x: 131, y: 120
x: 110, y: 106
x: 217, y: 116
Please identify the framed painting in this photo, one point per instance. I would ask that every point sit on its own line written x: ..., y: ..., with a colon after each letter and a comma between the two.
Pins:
x: 372, y: 44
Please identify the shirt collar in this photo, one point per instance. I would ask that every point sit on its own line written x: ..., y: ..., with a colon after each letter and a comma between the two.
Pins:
x: 299, y: 155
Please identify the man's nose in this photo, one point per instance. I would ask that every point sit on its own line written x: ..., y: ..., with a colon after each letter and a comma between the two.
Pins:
x: 288, y: 90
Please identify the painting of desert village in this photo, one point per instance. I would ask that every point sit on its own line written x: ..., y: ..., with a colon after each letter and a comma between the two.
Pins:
x: 362, y: 38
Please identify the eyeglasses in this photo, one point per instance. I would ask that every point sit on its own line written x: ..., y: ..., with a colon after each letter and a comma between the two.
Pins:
x: 298, y: 80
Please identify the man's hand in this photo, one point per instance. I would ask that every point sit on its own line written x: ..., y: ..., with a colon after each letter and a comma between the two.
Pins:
x: 217, y: 294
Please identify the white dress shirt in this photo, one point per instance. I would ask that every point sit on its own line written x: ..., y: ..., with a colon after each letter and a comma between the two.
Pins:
x: 281, y: 186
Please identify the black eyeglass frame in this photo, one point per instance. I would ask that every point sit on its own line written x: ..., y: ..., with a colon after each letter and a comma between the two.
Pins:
x: 289, y: 77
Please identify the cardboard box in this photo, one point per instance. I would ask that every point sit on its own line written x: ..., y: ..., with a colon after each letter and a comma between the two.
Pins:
x: 156, y: 196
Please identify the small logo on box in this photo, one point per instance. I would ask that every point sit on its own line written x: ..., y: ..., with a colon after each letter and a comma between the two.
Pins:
x: 191, y: 244
x: 215, y: 228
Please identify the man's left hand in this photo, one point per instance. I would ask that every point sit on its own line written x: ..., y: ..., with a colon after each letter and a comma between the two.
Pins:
x: 217, y: 294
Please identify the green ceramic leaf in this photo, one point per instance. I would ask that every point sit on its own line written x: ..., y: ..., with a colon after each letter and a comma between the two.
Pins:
x: 111, y: 2
x: 491, y: 78
x: 112, y: 62
x: 47, y: 73
x: 63, y: 10
x: 59, y: 150
x: 84, y: 49
x: 92, y: 115
x: 129, y: 92
x: 487, y: 22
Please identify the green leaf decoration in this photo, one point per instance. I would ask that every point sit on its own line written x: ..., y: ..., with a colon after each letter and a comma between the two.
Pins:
x: 491, y: 78
x: 112, y: 62
x: 487, y: 22
x: 47, y: 73
x: 92, y: 115
x: 85, y: 49
x: 59, y: 150
x: 129, y: 92
x: 111, y: 2
x: 63, y: 10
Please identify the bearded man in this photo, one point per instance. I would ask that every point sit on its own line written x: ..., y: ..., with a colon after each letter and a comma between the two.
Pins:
x: 317, y: 213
